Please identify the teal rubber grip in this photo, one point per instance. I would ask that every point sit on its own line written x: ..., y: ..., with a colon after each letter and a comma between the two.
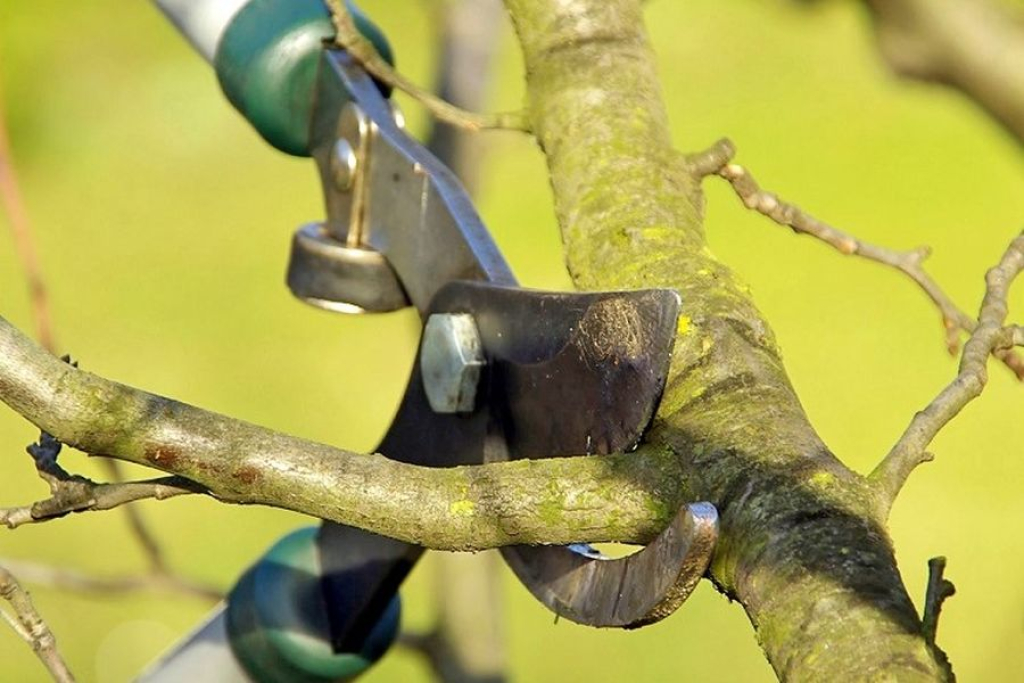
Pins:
x: 277, y: 621
x: 266, y: 63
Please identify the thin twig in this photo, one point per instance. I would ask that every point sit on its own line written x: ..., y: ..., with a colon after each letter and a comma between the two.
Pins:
x: 79, y: 494
x: 909, y: 451
x: 27, y: 623
x: 363, y: 50
x: 78, y: 581
x: 1013, y: 335
x: 716, y: 161
x: 939, y: 588
x: 74, y: 493
x: 13, y: 205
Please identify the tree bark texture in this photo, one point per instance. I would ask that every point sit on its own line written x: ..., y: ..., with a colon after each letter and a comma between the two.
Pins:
x: 803, y: 544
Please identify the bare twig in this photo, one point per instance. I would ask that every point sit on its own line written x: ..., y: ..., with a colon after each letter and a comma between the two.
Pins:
x: 27, y: 623
x: 13, y: 205
x: 716, y: 161
x: 939, y: 588
x: 79, y: 494
x: 74, y: 493
x: 1013, y: 335
x: 909, y: 451
x: 362, y: 49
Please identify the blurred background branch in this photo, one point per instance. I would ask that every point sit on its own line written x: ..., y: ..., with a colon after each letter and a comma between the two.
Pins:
x: 467, y: 641
x: 31, y: 628
x: 974, y: 46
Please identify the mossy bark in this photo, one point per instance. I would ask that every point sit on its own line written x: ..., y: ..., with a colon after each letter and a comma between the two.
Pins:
x: 561, y: 500
x: 803, y: 544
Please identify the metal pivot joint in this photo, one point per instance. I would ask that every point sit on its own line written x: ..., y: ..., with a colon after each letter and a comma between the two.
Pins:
x: 333, y: 265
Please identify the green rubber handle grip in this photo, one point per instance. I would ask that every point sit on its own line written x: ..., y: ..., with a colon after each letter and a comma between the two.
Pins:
x: 266, y: 62
x: 277, y: 621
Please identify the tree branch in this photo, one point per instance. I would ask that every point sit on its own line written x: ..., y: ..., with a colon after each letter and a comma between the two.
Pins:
x: 716, y: 161
x: 27, y: 623
x: 975, y: 46
x: 628, y: 497
x: 801, y: 541
x: 73, y: 493
x: 909, y: 452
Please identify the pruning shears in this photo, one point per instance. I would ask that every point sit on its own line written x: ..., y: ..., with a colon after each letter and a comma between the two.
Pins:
x: 502, y: 372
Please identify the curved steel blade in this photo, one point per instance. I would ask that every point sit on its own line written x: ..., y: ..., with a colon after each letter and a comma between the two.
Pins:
x: 566, y: 374
x: 626, y: 592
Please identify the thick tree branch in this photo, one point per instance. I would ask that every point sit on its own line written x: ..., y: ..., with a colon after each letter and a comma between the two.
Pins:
x: 627, y: 497
x: 975, y: 46
x: 802, y: 546
x: 909, y: 451
x: 27, y: 623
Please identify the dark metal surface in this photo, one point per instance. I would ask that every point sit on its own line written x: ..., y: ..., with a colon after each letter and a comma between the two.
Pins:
x: 335, y: 276
x: 566, y: 374
x: 628, y: 592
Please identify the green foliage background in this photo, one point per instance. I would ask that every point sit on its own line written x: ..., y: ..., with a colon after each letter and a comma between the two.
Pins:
x: 164, y: 223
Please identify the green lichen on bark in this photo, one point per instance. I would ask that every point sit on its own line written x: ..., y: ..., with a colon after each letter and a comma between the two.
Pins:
x: 803, y: 545
x: 621, y: 497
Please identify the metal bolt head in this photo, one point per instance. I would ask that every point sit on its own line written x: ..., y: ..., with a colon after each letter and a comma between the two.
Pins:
x: 451, y: 359
x: 343, y: 164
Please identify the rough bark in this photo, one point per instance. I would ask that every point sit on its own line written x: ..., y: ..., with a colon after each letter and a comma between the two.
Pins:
x: 803, y: 545
x: 561, y: 500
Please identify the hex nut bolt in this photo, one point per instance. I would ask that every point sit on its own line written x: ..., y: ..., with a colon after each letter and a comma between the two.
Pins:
x: 451, y: 359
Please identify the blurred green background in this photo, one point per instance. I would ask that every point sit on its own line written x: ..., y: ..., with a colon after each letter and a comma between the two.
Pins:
x: 163, y: 224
